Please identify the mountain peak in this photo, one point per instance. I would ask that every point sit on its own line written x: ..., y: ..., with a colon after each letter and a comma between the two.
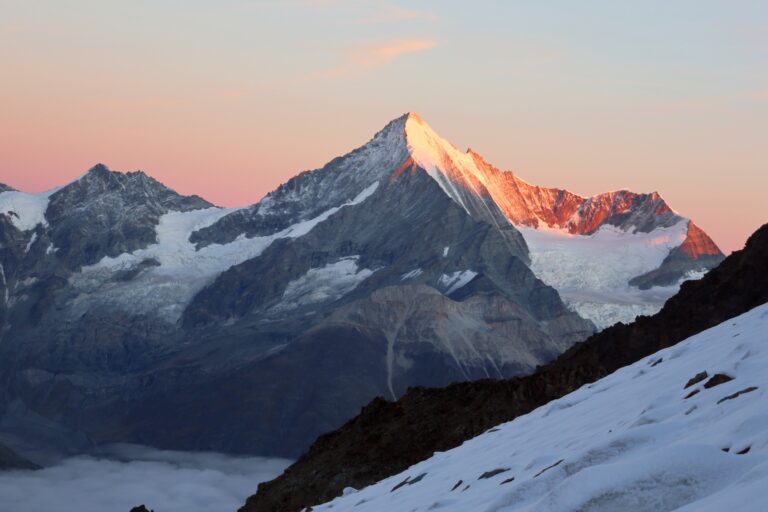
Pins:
x: 429, y: 150
x: 102, y: 171
x: 135, y: 186
x: 99, y: 169
x: 413, y: 116
x: 420, y: 139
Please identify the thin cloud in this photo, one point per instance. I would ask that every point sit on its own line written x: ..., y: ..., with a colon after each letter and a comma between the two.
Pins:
x: 363, y: 58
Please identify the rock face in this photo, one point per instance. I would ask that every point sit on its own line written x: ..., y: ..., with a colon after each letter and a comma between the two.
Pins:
x: 11, y: 460
x: 106, y: 214
x: 533, y: 206
x: 130, y: 313
x: 388, y: 437
x: 697, y: 253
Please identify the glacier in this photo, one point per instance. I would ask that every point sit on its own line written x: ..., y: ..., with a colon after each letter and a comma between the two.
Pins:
x: 590, y: 271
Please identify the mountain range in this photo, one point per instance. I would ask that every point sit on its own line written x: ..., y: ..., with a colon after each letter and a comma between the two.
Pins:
x: 130, y: 313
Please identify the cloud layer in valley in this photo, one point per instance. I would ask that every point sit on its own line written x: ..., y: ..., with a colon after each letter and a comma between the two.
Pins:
x: 126, y: 476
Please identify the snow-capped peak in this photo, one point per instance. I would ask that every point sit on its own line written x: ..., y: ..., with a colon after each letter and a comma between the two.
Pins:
x: 450, y: 167
x: 423, y: 145
x: 429, y: 149
x: 565, y: 232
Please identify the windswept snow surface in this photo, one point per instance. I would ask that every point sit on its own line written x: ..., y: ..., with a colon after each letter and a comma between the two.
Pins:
x: 591, y: 272
x: 631, y: 441
x: 26, y: 211
x: 183, y: 270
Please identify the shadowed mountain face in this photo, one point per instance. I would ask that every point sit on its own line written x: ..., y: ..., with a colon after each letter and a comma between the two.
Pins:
x: 131, y: 313
x: 388, y: 437
x: 11, y: 460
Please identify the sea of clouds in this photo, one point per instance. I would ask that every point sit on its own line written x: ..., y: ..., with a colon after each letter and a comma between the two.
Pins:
x: 125, y: 476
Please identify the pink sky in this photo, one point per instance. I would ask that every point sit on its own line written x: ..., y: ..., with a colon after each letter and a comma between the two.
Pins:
x: 228, y: 101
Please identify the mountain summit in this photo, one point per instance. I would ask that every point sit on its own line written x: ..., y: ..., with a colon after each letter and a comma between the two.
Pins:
x: 611, y: 256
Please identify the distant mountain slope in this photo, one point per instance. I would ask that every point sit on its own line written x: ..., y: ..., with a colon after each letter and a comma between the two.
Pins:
x: 10, y: 460
x: 682, y: 429
x: 388, y: 437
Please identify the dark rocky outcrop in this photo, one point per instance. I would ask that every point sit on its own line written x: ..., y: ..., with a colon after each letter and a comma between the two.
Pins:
x: 388, y: 437
x: 736, y: 395
x: 696, y: 379
x: 11, y: 460
x: 717, y: 379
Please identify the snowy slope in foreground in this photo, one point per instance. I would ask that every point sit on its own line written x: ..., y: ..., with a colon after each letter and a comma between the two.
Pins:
x: 631, y: 441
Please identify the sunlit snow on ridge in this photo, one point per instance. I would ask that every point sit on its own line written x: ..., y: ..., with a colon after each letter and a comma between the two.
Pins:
x: 634, y: 440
